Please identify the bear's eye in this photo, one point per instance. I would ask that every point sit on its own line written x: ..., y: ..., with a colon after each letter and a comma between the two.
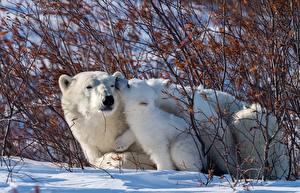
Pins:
x: 89, y: 87
x: 112, y: 86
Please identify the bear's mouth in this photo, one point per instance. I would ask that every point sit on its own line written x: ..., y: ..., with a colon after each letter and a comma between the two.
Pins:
x: 106, y: 108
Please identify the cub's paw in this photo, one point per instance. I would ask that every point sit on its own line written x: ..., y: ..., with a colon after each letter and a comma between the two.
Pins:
x: 121, y: 145
x: 109, y: 161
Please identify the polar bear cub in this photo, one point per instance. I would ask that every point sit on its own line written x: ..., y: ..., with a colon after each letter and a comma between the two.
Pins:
x: 254, y: 127
x: 156, y: 130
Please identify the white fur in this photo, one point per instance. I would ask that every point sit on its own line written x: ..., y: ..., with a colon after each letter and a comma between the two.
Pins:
x: 209, y: 106
x: 159, y: 133
x: 252, y: 127
x: 223, y: 103
x: 172, y: 98
x: 94, y: 126
x: 214, y: 132
x: 216, y: 135
x: 169, y: 97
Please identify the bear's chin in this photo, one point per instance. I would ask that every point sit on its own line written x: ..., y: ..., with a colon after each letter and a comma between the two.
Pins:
x: 106, y: 110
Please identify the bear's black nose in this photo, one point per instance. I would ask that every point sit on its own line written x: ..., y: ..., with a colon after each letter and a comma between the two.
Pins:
x: 108, y: 101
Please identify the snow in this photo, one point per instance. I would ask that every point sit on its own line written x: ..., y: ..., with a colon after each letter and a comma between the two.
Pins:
x: 27, y: 174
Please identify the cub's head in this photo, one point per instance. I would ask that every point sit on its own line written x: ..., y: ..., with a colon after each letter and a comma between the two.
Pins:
x: 89, y: 92
x: 136, y: 92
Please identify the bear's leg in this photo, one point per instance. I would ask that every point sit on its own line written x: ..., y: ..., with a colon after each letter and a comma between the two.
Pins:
x: 187, y: 153
x: 162, y: 158
x: 125, y: 140
x: 91, y: 153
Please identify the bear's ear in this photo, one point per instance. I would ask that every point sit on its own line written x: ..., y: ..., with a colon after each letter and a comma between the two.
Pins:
x: 121, y: 83
x: 118, y: 75
x: 64, y: 82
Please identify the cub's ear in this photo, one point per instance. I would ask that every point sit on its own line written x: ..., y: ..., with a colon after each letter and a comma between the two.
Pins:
x: 64, y: 82
x: 118, y: 75
x: 121, y: 83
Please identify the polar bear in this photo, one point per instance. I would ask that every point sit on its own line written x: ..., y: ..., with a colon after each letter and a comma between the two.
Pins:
x: 254, y: 128
x: 95, y: 114
x: 173, y: 98
x: 215, y: 134
x: 164, y: 136
x: 225, y: 104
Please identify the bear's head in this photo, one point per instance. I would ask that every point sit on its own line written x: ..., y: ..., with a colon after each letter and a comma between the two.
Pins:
x: 90, y: 92
x: 136, y: 92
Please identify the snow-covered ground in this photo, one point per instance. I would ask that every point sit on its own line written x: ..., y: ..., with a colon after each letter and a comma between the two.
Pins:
x: 27, y: 175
